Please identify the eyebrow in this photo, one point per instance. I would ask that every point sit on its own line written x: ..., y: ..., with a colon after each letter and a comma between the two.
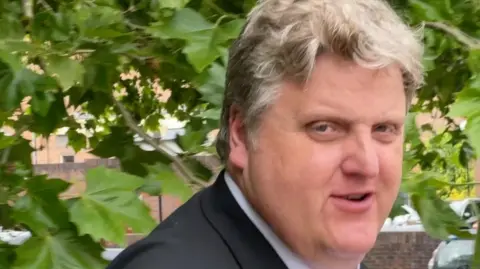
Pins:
x: 331, y: 114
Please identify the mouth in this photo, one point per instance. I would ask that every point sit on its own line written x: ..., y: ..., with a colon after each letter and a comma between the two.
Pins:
x: 356, y: 197
x: 353, y: 203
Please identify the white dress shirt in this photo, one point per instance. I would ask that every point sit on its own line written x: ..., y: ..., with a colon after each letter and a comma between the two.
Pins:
x: 291, y: 260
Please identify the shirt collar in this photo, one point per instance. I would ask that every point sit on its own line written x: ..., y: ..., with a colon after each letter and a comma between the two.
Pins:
x: 291, y: 260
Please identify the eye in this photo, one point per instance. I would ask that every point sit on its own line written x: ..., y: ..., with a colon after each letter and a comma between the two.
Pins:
x: 386, y: 133
x: 325, y: 131
x: 323, y: 127
x: 385, y: 128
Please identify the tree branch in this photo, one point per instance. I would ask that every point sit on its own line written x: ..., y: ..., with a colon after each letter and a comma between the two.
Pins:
x: 28, y: 8
x: 459, y: 35
x: 130, y: 122
x: 6, y: 152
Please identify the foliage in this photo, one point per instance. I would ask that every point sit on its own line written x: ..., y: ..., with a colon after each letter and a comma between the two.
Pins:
x: 439, y: 158
x: 111, y: 59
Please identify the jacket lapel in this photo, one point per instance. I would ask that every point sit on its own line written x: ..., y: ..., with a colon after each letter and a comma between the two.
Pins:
x: 247, y: 244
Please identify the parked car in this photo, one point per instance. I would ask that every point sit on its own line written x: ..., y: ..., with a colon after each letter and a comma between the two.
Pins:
x: 457, y: 253
x: 454, y: 254
x: 17, y: 238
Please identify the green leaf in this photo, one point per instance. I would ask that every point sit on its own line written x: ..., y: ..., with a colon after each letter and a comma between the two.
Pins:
x: 76, y: 140
x: 192, y: 139
x: 7, y: 255
x: 67, y: 71
x: 476, y: 256
x: 184, y: 24
x: 21, y: 152
x: 397, y: 206
x: 474, y: 61
x: 132, y: 157
x: 101, y: 70
x: 53, y: 118
x: 11, y: 60
x: 198, y: 169
x: 6, y: 141
x: 472, y: 130
x: 59, y: 251
x: 203, y: 38
x: 40, y: 208
x: 136, y: 159
x: 412, y: 135
x: 14, y: 86
x: 170, y: 183
x: 426, y: 11
x: 108, y: 146
x: 467, y: 105
x: 248, y: 5
x: 466, y: 154
x: 202, y: 51
x: 152, y: 184
x: 213, y: 114
x: 211, y: 84
x: 230, y: 30
x: 100, y: 22
x: 16, y: 46
x: 41, y: 102
x: 152, y: 122
x: 422, y: 181
x: 208, y: 45
x: 464, y: 108
x: 6, y: 215
x: 97, y: 102
x: 11, y: 28
x: 438, y: 219
x: 110, y: 205
x: 176, y: 4
x: 45, y: 27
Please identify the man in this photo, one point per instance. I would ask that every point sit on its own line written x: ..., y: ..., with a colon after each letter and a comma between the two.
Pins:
x: 311, y: 134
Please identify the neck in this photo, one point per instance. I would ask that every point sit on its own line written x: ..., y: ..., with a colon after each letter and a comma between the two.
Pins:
x: 319, y: 259
x: 336, y: 266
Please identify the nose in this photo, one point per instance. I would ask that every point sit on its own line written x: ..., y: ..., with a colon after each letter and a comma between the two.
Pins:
x: 361, y: 158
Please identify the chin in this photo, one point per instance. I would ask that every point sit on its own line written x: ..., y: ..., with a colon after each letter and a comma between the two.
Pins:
x: 357, y: 247
x: 355, y: 242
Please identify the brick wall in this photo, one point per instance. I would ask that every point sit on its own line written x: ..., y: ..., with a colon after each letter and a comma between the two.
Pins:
x: 401, y: 250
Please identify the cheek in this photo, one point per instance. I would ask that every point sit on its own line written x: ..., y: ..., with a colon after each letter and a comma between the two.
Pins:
x: 390, y: 162
x: 316, y: 177
x: 321, y: 165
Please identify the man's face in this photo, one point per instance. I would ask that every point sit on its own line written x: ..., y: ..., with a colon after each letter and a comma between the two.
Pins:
x: 325, y: 166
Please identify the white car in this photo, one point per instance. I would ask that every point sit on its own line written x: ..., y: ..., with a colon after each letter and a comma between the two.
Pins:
x: 19, y: 237
x: 465, y: 210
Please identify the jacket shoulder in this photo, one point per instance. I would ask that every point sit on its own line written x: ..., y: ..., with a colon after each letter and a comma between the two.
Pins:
x: 184, y: 240
x: 148, y: 255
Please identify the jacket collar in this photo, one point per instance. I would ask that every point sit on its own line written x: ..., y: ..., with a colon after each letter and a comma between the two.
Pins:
x: 247, y: 244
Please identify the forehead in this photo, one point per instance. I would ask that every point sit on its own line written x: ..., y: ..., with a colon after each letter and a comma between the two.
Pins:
x: 343, y: 87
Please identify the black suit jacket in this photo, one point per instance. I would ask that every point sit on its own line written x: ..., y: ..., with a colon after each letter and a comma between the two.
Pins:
x: 210, y: 231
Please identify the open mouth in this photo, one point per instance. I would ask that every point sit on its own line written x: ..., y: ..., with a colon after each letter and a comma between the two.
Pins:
x: 354, y: 197
x: 353, y: 203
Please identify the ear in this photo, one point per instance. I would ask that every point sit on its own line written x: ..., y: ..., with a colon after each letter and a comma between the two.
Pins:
x: 238, y: 138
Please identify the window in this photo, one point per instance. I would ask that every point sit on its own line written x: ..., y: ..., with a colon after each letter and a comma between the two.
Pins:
x: 68, y: 159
